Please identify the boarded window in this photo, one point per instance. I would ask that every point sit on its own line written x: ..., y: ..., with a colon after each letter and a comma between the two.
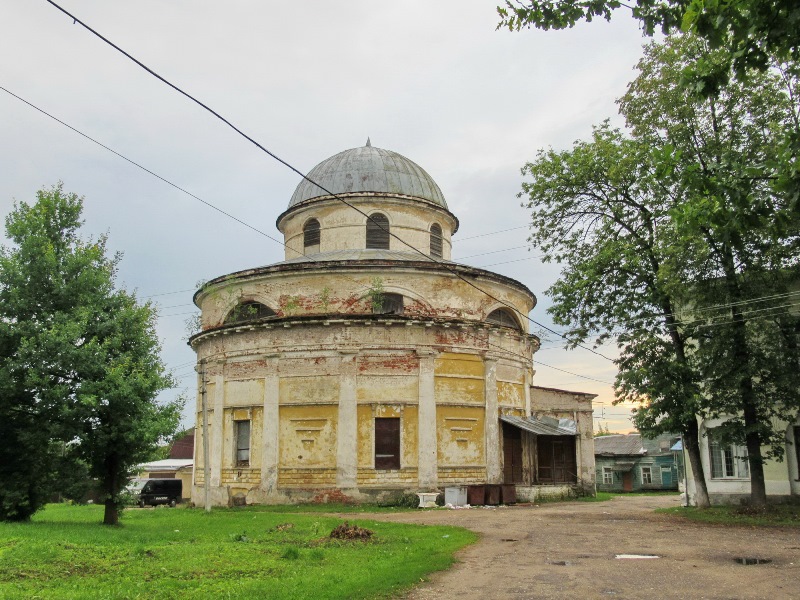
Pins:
x: 436, y: 240
x: 248, y: 311
x: 242, y: 443
x: 378, y: 232
x: 311, y: 236
x: 502, y: 317
x: 387, y: 443
x: 556, y: 459
x: 390, y: 304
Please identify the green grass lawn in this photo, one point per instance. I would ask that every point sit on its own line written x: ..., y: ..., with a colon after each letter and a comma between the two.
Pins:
x: 779, y: 515
x: 253, y: 552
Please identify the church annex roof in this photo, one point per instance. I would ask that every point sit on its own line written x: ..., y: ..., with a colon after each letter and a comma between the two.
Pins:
x: 369, y: 169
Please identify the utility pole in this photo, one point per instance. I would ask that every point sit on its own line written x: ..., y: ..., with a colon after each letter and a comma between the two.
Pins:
x: 206, y: 466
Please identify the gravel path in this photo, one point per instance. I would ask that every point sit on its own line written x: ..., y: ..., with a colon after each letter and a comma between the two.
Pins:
x: 568, y: 550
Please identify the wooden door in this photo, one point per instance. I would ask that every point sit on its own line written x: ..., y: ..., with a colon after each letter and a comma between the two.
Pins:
x: 627, y: 481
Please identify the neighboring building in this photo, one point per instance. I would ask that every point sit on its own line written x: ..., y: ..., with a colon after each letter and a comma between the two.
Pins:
x: 183, y: 447
x: 360, y: 367
x: 727, y: 471
x: 628, y: 463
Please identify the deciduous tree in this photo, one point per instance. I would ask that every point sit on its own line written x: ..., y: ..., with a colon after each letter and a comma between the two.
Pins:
x: 78, y: 360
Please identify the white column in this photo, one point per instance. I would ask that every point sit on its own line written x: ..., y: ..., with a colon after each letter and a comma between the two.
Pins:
x: 216, y: 427
x: 347, y: 427
x: 426, y: 426
x: 269, y: 435
x: 494, y: 454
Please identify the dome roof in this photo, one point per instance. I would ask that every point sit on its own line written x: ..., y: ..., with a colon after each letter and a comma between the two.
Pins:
x: 369, y: 169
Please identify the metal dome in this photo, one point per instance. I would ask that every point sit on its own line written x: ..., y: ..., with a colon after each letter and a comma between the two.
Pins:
x: 369, y: 169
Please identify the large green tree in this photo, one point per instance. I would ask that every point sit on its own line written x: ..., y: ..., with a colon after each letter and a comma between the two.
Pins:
x: 599, y: 210
x: 751, y: 32
x: 79, y: 365
x: 742, y: 232
x: 671, y: 237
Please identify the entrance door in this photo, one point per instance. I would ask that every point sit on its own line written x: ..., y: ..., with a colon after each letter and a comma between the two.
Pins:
x: 627, y: 481
x: 666, y: 476
x: 512, y: 454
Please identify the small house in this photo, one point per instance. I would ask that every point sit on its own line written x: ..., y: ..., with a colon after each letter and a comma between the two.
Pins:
x: 629, y: 463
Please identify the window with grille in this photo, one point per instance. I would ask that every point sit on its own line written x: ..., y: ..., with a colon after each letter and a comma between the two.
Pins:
x: 378, y: 232
x: 502, y: 317
x: 248, y: 311
x: 242, y: 443
x: 436, y: 240
x: 387, y: 443
x: 311, y: 236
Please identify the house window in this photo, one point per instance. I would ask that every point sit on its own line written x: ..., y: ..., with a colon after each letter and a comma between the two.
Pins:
x: 248, y: 311
x: 242, y: 430
x: 608, y: 476
x: 311, y: 237
x: 728, y: 461
x: 647, y: 476
x: 387, y: 443
x: 378, y: 232
x: 436, y: 240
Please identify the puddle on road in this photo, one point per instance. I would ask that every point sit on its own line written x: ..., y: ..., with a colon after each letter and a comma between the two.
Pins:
x: 635, y: 556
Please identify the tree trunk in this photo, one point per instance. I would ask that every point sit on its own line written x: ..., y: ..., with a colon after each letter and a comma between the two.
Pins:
x: 691, y: 439
x: 111, y: 515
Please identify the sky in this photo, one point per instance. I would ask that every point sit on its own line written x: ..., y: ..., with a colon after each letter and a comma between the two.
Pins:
x: 434, y: 81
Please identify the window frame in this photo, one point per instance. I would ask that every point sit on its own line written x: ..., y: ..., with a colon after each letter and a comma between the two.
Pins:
x: 646, y: 469
x: 238, y: 447
x: 727, y: 461
x: 608, y: 476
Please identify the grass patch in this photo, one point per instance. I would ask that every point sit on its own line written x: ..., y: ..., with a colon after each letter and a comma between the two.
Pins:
x: 252, y: 552
x: 778, y: 515
x: 604, y: 496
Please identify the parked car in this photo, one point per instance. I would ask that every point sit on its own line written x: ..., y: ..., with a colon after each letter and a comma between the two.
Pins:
x: 160, y: 491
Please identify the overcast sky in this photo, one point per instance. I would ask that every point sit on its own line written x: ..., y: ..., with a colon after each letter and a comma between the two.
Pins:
x: 433, y: 81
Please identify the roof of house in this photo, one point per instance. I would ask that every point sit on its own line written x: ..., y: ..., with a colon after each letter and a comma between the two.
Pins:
x: 168, y: 464
x: 619, y: 445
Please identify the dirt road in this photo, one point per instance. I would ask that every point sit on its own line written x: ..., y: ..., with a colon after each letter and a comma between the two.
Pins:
x: 568, y: 550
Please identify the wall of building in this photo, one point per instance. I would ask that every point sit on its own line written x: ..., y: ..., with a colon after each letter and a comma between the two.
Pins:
x: 312, y: 392
x: 343, y: 228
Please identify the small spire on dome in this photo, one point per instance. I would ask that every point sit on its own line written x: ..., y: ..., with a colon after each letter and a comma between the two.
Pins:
x: 369, y: 144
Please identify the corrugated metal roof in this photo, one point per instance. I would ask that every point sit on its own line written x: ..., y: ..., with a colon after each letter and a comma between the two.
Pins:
x: 369, y: 169
x: 626, y: 445
x: 542, y: 427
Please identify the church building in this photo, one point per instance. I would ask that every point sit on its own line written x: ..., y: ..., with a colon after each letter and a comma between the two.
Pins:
x: 367, y: 364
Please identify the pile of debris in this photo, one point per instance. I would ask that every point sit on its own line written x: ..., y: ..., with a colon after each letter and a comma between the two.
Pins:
x: 345, y: 531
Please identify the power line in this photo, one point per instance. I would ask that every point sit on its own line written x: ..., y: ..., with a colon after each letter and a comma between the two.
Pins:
x: 472, y: 237
x: 306, y: 178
